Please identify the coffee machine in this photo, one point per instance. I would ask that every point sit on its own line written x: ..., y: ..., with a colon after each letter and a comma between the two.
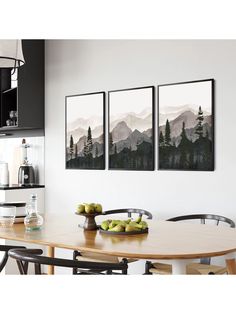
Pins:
x: 26, y: 173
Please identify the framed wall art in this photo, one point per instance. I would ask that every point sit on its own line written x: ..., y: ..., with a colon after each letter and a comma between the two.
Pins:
x: 186, y: 126
x: 85, y: 131
x: 131, y: 129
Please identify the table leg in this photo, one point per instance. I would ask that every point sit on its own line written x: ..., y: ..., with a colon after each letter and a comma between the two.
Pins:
x: 179, y: 266
x: 231, y: 263
x: 51, y: 252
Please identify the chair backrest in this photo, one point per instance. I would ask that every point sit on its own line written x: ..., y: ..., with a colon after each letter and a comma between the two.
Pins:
x: 129, y: 211
x: 25, y: 256
x: 6, y: 248
x: 203, y: 218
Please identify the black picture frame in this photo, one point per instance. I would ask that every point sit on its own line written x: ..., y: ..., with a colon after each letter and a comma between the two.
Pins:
x: 152, y: 167
x: 102, y: 163
x: 212, y: 145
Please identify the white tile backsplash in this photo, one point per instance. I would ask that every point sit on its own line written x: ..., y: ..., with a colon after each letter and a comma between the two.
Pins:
x: 10, y: 152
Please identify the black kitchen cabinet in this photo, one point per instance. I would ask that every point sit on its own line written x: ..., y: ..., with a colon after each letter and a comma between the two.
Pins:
x: 27, y: 98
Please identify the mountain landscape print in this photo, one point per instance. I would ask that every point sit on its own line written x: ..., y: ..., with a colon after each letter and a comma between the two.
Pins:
x: 131, y: 129
x: 85, y: 131
x: 186, y: 126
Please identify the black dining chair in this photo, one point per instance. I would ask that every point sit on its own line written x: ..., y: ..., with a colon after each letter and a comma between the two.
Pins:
x: 202, y: 268
x: 102, y: 258
x: 129, y: 211
x: 25, y: 256
x: 5, y: 249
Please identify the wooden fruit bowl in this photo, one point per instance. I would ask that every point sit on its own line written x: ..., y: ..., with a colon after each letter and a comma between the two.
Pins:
x: 90, y: 223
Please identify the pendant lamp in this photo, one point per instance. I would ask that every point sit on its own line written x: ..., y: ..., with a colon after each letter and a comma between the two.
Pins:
x: 11, y: 54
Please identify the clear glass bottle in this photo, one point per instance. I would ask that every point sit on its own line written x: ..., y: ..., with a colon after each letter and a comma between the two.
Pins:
x: 33, y: 221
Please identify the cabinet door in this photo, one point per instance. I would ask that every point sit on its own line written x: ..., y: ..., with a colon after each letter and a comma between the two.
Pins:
x: 31, y: 86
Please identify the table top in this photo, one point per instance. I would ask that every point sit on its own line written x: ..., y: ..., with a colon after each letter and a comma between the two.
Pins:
x: 165, y: 240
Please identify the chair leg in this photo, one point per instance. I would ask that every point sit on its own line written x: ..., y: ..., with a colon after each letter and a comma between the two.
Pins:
x: 148, y: 265
x: 37, y: 268
x: 125, y: 271
x: 75, y: 254
x: 25, y: 266
x: 21, y: 267
x: 4, y: 261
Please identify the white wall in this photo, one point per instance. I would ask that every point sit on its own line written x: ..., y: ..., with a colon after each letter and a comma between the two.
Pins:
x: 11, y: 152
x: 81, y: 66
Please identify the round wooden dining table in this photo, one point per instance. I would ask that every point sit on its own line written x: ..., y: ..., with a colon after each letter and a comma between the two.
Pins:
x: 177, y: 243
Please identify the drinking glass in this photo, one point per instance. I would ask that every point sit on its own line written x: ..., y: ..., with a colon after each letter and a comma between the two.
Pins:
x: 7, y: 215
x: 13, y: 116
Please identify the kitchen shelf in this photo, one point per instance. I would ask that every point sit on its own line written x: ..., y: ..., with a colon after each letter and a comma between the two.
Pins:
x: 18, y: 187
x: 9, y: 90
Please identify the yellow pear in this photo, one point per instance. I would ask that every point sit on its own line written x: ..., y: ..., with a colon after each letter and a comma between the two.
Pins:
x: 130, y: 228
x: 98, y: 208
x: 135, y: 225
x: 138, y: 220
x: 114, y: 223
x: 117, y: 228
x: 143, y: 224
x: 80, y: 208
x: 89, y: 209
x: 105, y: 225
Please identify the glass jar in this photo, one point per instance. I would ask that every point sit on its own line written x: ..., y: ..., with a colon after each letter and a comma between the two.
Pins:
x: 7, y: 215
x: 33, y: 221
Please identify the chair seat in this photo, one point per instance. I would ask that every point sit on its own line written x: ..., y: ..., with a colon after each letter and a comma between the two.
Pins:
x: 100, y: 258
x: 203, y: 269
x: 191, y: 269
x: 161, y: 269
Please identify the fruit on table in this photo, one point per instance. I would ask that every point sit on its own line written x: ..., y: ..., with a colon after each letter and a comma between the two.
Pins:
x: 89, y: 208
x: 117, y: 228
x: 130, y: 228
x: 127, y: 221
x: 135, y: 225
x: 105, y: 225
x: 113, y: 223
x: 143, y: 224
x: 138, y: 220
x: 98, y: 208
x: 124, y: 225
x: 80, y: 208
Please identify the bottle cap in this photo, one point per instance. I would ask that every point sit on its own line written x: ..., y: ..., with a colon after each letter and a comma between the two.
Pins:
x: 33, y: 196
